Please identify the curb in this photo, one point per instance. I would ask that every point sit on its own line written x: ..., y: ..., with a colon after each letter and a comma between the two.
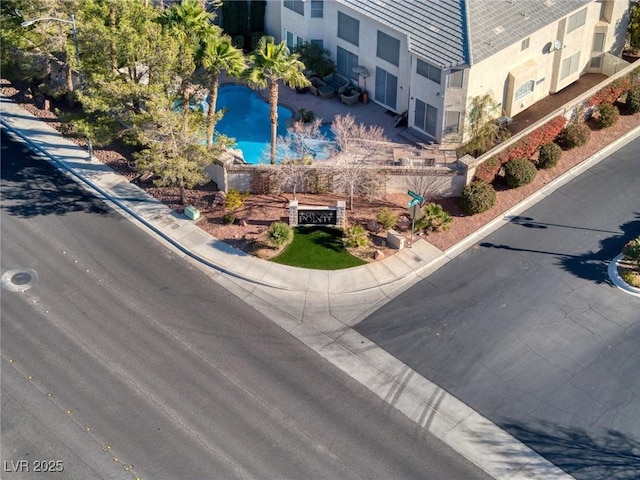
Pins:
x: 617, y: 280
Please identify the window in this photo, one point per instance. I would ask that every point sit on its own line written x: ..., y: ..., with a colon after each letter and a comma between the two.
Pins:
x: 598, y: 42
x: 429, y: 71
x: 525, y: 89
x: 525, y: 44
x: 456, y: 78
x: 345, y: 63
x: 569, y: 65
x: 452, y: 122
x: 596, y: 62
x: 349, y: 29
x: 425, y: 117
x: 295, y: 5
x: 293, y: 40
x: 317, y: 42
x: 317, y: 8
x: 388, y: 48
x: 576, y: 20
x: 386, y: 88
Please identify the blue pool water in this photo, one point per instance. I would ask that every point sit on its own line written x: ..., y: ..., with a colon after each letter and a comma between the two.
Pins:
x: 246, y: 119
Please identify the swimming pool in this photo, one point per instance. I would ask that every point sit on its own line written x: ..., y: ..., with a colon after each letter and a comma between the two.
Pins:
x: 246, y: 119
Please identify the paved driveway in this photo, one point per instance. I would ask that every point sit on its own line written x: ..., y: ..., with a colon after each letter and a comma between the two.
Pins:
x: 526, y: 328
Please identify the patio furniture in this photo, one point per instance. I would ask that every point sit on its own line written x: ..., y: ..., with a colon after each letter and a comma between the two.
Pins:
x: 326, y: 91
x: 316, y: 82
x: 350, y: 97
x: 337, y: 81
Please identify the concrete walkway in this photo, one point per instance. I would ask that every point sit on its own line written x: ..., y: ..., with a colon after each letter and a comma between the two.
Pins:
x: 319, y: 307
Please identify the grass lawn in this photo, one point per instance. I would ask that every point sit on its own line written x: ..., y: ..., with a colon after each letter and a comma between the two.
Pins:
x: 317, y: 247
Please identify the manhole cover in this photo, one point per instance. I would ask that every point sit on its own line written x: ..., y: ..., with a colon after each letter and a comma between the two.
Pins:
x: 19, y: 280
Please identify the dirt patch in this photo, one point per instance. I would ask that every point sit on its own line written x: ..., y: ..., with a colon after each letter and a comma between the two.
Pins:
x: 259, y: 211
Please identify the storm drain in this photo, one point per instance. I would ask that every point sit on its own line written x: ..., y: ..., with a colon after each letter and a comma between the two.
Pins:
x: 19, y: 280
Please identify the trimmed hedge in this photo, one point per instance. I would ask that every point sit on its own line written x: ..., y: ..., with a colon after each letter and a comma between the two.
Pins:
x: 633, y: 100
x: 611, y: 92
x: 488, y: 170
x: 574, y: 135
x: 607, y: 115
x: 478, y: 197
x: 519, y: 172
x: 549, y: 155
x: 527, y: 146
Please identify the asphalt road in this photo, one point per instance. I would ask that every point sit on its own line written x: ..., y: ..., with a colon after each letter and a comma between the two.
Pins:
x: 526, y: 328
x: 123, y: 360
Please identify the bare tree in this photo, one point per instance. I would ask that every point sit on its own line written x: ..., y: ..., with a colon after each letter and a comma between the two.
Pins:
x: 353, y: 166
x: 428, y: 184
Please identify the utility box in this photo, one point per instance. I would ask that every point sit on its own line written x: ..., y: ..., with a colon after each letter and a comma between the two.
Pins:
x: 395, y: 240
x: 192, y: 212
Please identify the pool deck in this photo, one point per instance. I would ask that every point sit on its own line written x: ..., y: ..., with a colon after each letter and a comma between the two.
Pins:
x: 327, y: 108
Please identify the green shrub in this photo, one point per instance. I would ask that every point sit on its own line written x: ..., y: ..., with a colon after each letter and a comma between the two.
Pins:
x: 434, y: 218
x: 228, y: 218
x: 632, y: 278
x: 549, y: 155
x: 519, y: 172
x: 279, y: 234
x: 631, y: 251
x: 574, y: 135
x: 306, y: 116
x: 607, y: 115
x: 478, y: 197
x: 387, y: 218
x: 235, y: 199
x: 356, y: 237
x: 633, y: 100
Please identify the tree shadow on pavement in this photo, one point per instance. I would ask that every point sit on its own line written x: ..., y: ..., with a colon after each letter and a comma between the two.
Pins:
x: 590, y: 265
x: 584, y: 455
x: 32, y: 187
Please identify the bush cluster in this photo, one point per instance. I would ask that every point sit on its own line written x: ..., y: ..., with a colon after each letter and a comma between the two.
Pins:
x: 527, y: 146
x: 611, y: 92
x: 279, y: 234
x: 387, y: 218
x: 234, y: 199
x: 355, y: 237
x: 574, y: 135
x: 488, y: 170
x: 633, y: 100
x: 478, y: 197
x: 631, y: 251
x: 519, y: 172
x: 607, y: 115
x: 549, y: 155
x: 434, y: 218
x: 228, y: 218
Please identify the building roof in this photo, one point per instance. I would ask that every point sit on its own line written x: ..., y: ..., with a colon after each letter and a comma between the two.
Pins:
x: 449, y: 33
x: 436, y: 29
x: 497, y: 24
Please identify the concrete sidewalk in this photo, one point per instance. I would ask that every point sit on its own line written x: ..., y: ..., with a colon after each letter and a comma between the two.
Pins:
x: 318, y: 307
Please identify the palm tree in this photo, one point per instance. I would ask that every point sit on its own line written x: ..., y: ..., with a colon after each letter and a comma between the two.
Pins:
x: 219, y: 54
x: 269, y: 63
x: 191, y: 24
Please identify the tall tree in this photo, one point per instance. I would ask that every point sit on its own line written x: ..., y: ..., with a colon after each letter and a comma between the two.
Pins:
x: 217, y: 55
x: 175, y: 155
x: 190, y: 23
x: 271, y: 63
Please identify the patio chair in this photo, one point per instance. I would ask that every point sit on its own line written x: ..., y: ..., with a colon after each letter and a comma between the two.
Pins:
x: 326, y: 91
x: 338, y: 82
x: 316, y: 83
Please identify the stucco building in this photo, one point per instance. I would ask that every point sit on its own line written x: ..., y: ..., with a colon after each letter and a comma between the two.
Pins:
x: 430, y: 58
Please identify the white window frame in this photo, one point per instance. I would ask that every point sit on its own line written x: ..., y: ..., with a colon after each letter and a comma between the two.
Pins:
x: 346, y: 36
x: 569, y: 65
x: 598, y: 46
x: 452, y: 121
x: 524, y: 89
x: 577, y: 20
x: 431, y: 71
x: 453, y: 78
x: 317, y: 8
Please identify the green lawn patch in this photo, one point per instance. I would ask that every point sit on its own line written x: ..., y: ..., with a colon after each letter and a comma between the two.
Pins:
x: 320, y: 248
